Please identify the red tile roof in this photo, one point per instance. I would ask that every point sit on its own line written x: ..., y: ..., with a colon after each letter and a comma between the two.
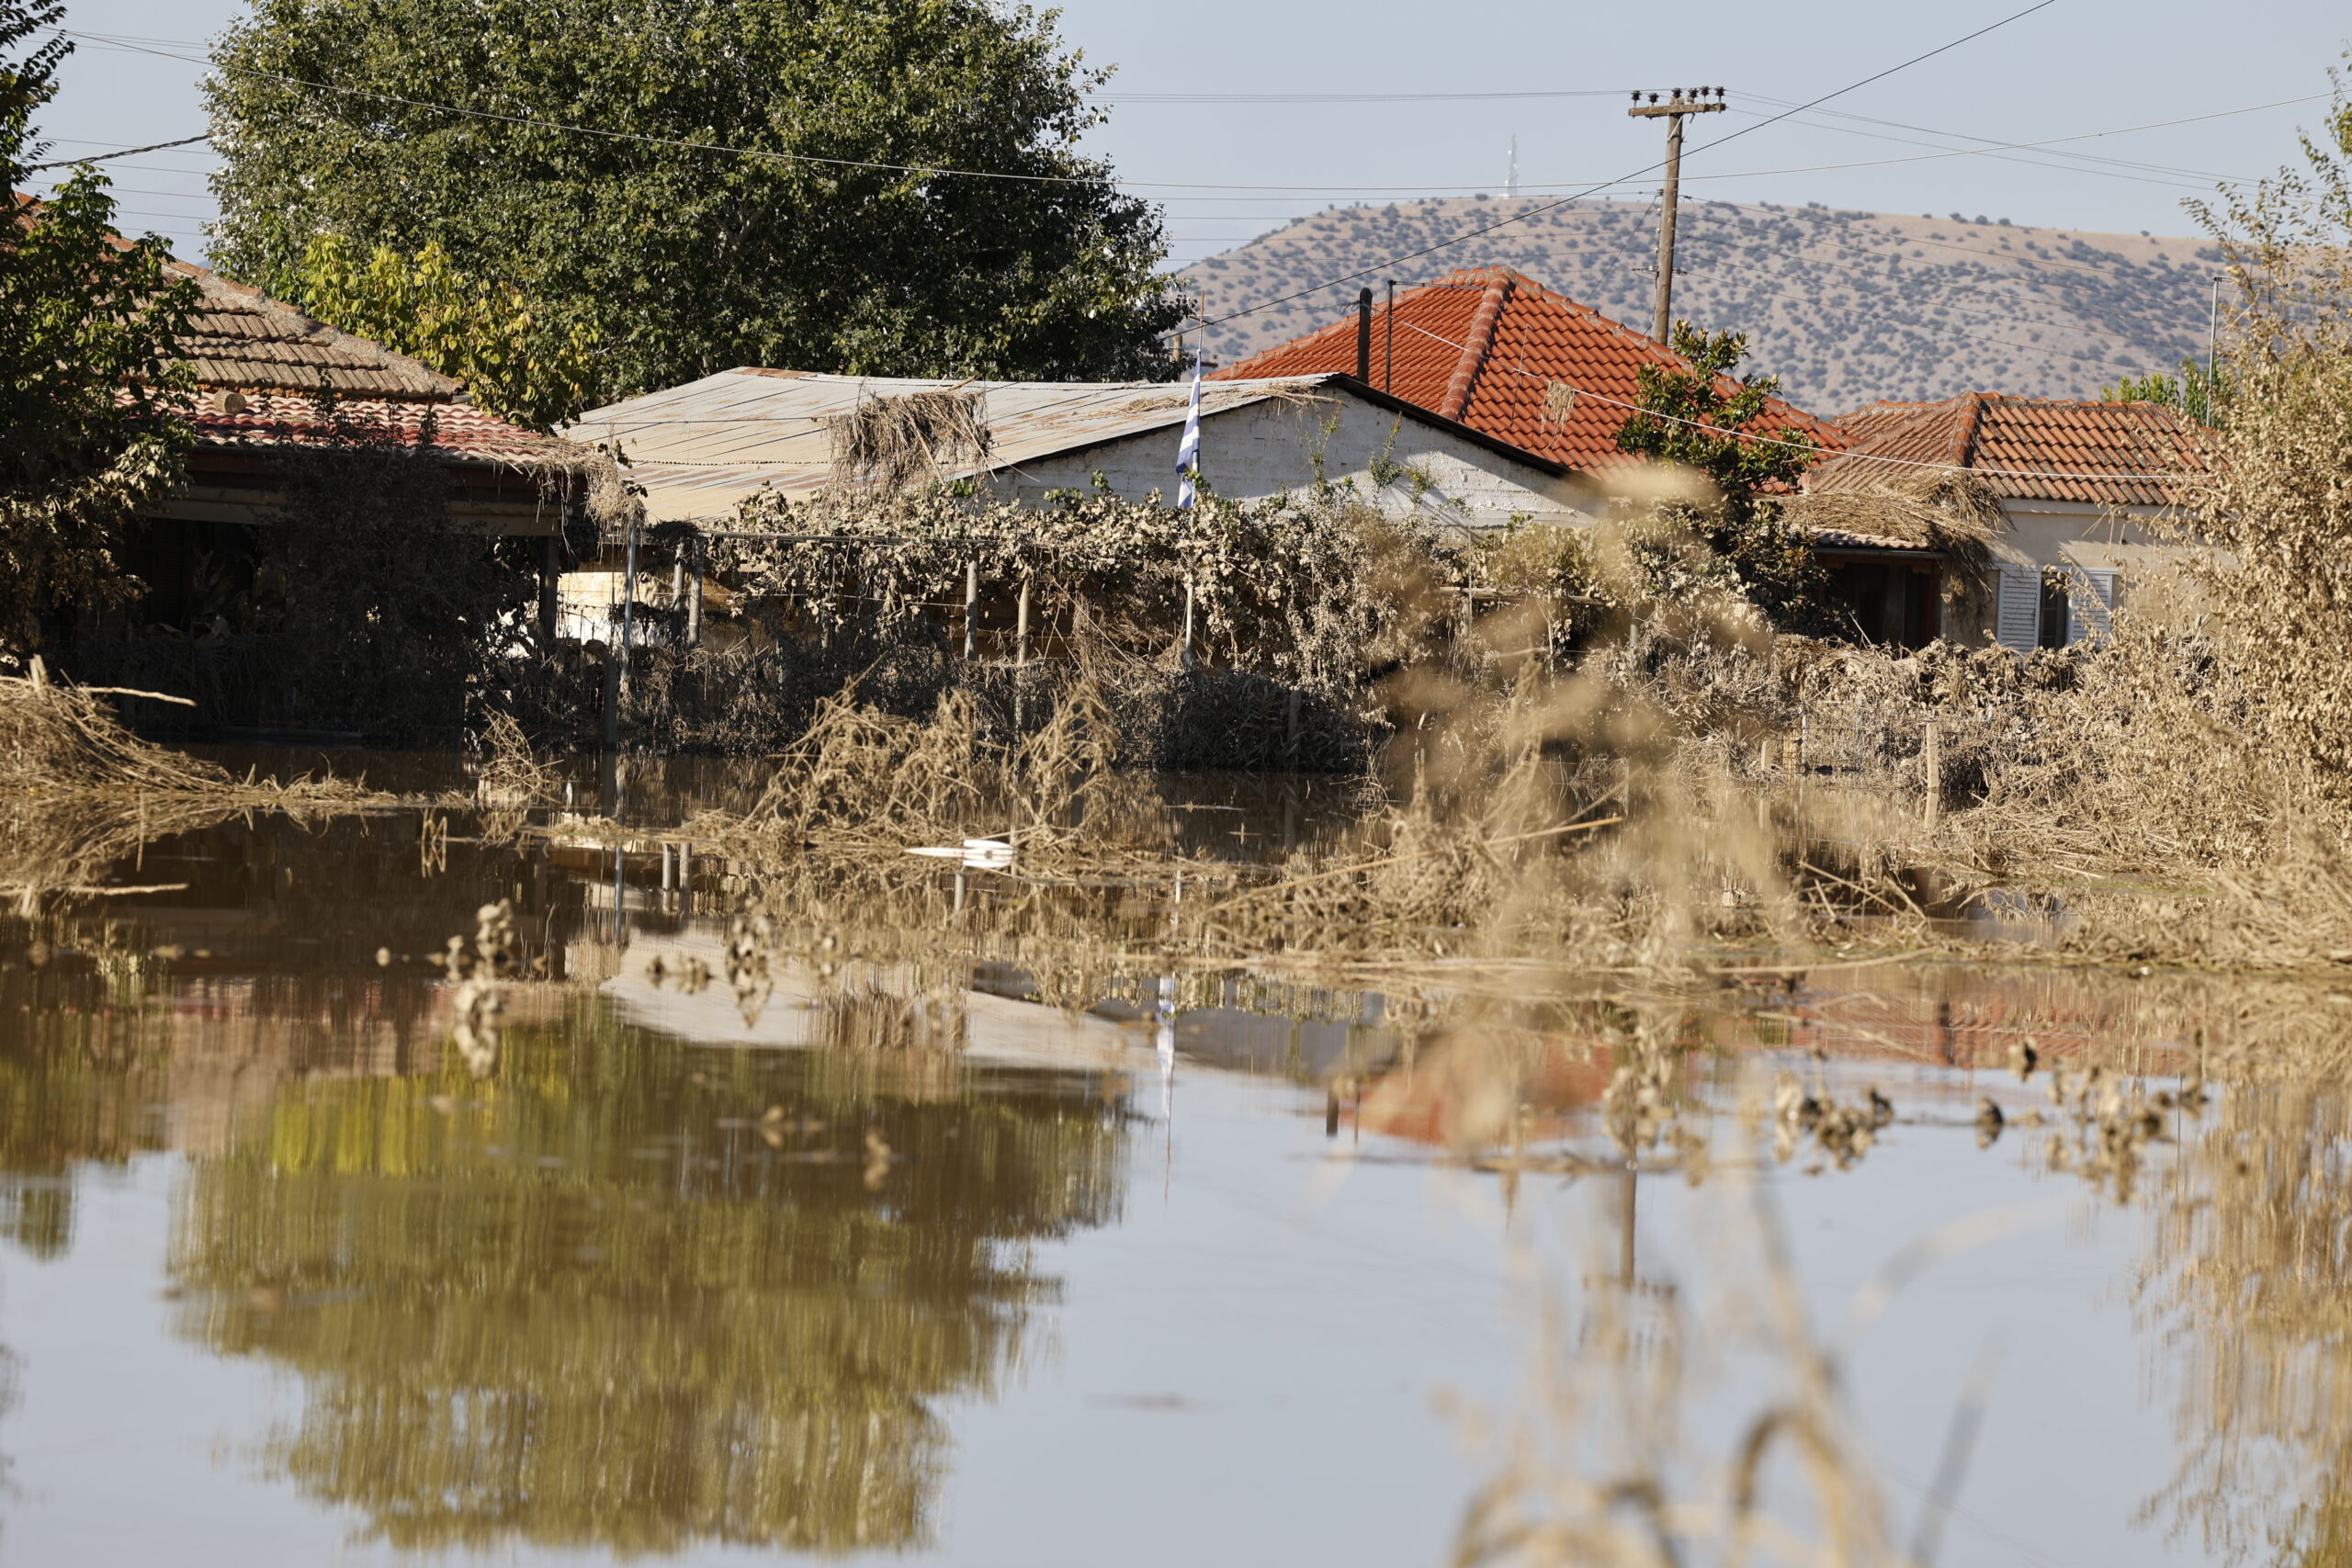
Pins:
x: 241, y: 337
x: 2027, y: 448
x: 278, y: 363
x: 1502, y: 354
x: 459, y: 431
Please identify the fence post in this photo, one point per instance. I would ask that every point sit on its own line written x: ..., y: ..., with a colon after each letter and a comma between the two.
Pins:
x: 1021, y: 629
x: 700, y: 551
x: 971, y: 609
x: 1932, y: 764
x: 629, y: 605
x: 551, y: 585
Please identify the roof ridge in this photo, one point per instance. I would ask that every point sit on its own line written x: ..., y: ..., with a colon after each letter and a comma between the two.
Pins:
x: 1962, y: 453
x: 1477, y: 343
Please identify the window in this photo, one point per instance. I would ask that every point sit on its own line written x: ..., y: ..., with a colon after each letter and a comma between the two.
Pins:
x: 2053, y: 611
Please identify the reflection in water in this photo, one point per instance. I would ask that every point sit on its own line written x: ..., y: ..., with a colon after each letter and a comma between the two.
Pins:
x: 597, y: 1301
x: 629, y: 1294
x: 2250, y: 1258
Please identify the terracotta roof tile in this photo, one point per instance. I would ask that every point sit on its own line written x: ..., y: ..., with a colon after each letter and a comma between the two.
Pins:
x: 1503, y: 355
x: 276, y: 420
x: 2026, y: 449
x: 275, y: 363
x: 242, y: 338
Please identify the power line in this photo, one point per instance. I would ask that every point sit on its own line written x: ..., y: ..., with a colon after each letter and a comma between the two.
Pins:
x: 1647, y: 168
x: 123, y: 153
x: 1991, y: 149
x: 1353, y: 97
x: 2086, y: 136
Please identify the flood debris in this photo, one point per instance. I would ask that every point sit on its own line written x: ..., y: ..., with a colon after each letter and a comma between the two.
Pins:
x: 480, y: 968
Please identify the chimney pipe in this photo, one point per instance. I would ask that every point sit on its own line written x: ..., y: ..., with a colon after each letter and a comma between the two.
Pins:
x: 1363, y: 335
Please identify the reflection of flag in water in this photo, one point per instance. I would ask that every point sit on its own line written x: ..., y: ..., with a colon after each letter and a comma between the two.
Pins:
x: 1188, y: 451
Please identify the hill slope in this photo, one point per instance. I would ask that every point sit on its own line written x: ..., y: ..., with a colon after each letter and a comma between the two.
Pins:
x: 1846, y: 306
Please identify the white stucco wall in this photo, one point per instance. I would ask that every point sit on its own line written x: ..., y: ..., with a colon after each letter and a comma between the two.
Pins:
x: 2077, y: 534
x: 1274, y: 446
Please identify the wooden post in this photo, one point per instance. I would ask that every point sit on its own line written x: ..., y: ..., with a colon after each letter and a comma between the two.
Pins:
x: 971, y: 609
x: 1020, y: 630
x: 1682, y: 104
x: 1187, y: 655
x: 1932, y: 764
x: 700, y: 551
x: 551, y: 579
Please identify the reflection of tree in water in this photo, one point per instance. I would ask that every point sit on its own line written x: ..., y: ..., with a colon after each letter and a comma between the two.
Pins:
x: 575, y: 1309
x: 76, y: 1083
x: 2250, y: 1275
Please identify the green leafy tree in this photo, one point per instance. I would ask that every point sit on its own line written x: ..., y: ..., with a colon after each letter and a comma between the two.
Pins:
x: 517, y: 363
x: 699, y: 184
x: 91, y: 389
x: 1686, y: 419
x: 2204, y: 400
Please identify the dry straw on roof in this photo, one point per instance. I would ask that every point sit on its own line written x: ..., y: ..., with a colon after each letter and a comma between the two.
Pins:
x: 893, y: 442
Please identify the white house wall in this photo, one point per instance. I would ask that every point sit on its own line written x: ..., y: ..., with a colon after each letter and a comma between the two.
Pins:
x: 1274, y: 446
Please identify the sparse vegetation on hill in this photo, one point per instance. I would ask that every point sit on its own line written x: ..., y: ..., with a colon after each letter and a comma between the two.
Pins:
x: 1845, y: 308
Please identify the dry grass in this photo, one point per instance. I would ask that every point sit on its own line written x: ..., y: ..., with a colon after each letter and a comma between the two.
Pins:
x: 899, y: 443
x: 82, y: 793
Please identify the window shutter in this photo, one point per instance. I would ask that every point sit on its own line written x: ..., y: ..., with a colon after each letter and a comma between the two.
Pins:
x: 2090, y: 609
x: 2018, y: 625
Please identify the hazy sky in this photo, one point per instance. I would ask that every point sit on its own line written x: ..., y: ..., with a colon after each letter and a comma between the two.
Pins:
x: 2092, y: 69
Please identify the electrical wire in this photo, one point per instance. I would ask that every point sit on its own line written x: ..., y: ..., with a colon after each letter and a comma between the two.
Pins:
x: 1648, y: 168
x: 123, y: 153
x: 1285, y: 193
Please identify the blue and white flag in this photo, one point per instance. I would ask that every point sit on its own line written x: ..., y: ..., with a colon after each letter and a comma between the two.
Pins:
x: 1188, y: 451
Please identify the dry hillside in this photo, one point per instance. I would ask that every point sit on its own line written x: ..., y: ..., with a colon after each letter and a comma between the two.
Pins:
x: 1845, y: 307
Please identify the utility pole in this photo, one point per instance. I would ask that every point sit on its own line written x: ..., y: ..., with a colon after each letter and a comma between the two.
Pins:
x: 1682, y: 101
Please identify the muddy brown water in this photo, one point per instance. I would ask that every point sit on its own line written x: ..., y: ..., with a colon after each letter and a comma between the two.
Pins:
x: 282, y: 1281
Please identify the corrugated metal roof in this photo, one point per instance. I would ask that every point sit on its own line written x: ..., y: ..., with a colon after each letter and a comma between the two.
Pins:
x: 702, y: 448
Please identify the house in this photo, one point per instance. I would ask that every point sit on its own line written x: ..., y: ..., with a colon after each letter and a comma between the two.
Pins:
x: 701, y: 450
x: 272, y: 383
x: 1492, y: 349
x: 2076, y: 486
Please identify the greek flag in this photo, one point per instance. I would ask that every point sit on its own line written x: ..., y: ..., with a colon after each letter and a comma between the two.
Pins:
x: 1188, y: 451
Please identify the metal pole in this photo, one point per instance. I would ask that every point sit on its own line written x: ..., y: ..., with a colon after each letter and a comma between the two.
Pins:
x: 1388, y: 347
x: 628, y: 601
x: 971, y: 609
x: 1364, y: 335
x: 701, y: 552
x: 1020, y: 630
x: 629, y: 605
x: 2212, y: 336
x: 1188, y: 621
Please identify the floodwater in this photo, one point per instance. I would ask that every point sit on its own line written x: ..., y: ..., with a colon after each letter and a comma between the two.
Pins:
x: 698, y: 1273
